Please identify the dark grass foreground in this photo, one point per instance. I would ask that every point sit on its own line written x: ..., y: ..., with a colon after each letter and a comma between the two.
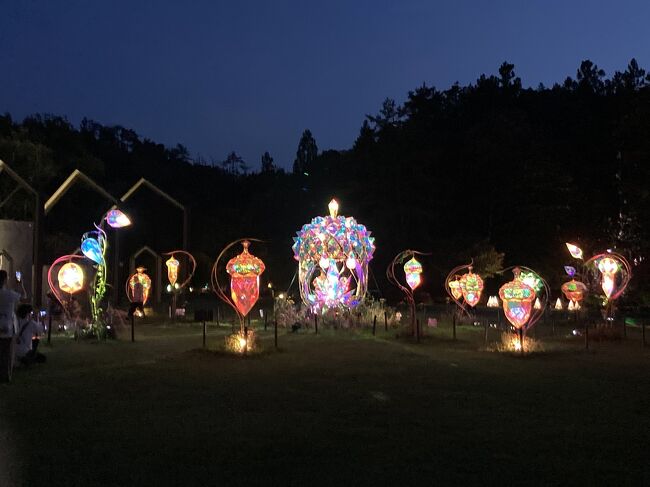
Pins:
x: 332, y: 409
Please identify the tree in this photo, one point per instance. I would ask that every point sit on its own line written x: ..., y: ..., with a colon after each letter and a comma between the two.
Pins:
x: 267, y: 163
x: 234, y: 164
x: 306, y: 154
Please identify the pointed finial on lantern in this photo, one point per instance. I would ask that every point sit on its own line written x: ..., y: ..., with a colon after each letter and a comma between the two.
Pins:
x: 334, y: 208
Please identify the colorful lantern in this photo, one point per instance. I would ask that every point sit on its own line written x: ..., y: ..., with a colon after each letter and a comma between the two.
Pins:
x: 456, y: 291
x: 413, y: 269
x: 517, y: 298
x: 172, y: 270
x: 558, y: 304
x: 139, y: 286
x: 571, y: 271
x: 574, y: 250
x: 71, y: 278
x: 333, y: 254
x: 92, y: 249
x: 117, y: 219
x: 538, y: 304
x: 608, y: 268
x: 493, y: 302
x: 471, y: 285
x: 532, y: 279
x: 574, y: 290
x: 245, y: 270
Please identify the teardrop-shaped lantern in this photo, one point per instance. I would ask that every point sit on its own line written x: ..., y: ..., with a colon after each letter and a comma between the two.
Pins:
x: 172, y: 270
x: 117, y: 219
x: 413, y: 269
x: 245, y: 270
x: 90, y: 248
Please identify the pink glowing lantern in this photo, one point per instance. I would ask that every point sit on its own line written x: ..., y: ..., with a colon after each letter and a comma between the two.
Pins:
x: 608, y: 268
x: 245, y: 270
x: 413, y: 269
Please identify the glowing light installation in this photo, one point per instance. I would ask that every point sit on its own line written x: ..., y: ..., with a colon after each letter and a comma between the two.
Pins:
x: 615, y: 274
x: 172, y: 270
x: 138, y: 286
x: 70, y: 279
x: 412, y: 271
x: 468, y: 286
x: 558, y: 305
x: 333, y: 254
x: 574, y: 250
x: 471, y: 286
x: 493, y: 302
x: 608, y: 268
x: 244, y: 270
x: 93, y: 246
x: 574, y: 290
x: 519, y: 300
x: 117, y: 219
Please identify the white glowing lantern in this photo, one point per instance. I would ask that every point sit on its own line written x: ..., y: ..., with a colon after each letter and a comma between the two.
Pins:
x: 537, y: 304
x: 558, y: 304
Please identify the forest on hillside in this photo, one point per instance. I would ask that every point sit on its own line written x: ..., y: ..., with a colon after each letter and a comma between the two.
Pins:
x: 457, y: 173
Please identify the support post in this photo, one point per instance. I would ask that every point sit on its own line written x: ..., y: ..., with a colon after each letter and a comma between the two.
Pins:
x: 49, y: 327
x: 417, y: 330
x: 204, y: 333
x: 132, y: 327
x: 385, y: 320
x: 453, y: 323
x: 266, y: 319
x: 586, y: 336
x: 487, y: 325
x: 275, y: 333
x: 521, y: 339
x: 316, y: 323
x: 643, y: 334
x: 374, y: 324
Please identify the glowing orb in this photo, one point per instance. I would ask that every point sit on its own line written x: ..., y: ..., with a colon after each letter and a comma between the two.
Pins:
x: 172, y: 270
x: 333, y: 254
x: 71, y: 278
x: 517, y: 298
x: 91, y: 248
x: 574, y: 250
x: 245, y: 270
x: 413, y: 269
x: 139, y: 286
x: 608, y: 268
x: 117, y: 219
x: 471, y: 286
x: 574, y: 290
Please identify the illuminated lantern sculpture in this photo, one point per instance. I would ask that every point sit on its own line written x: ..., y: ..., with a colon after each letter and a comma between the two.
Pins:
x: 138, y: 286
x: 574, y: 250
x: 71, y: 278
x: 454, y: 288
x: 172, y: 270
x: 493, y: 302
x: 574, y: 290
x: 117, y: 219
x: 608, y: 268
x: 517, y: 298
x: 471, y: 286
x: 333, y: 254
x: 245, y: 270
x: 558, y: 305
x: 93, y: 246
x: 412, y: 270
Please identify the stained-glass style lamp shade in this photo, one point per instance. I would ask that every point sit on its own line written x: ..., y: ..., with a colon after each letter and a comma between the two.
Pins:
x: 71, y: 278
x: 471, y: 286
x: 172, y: 270
x: 574, y: 290
x: 139, y: 286
x: 532, y: 279
x: 245, y: 270
x: 608, y: 268
x: 333, y: 254
x: 574, y: 250
x: 456, y: 291
x: 117, y: 219
x: 413, y: 269
x: 91, y: 248
x: 517, y: 298
x: 571, y: 271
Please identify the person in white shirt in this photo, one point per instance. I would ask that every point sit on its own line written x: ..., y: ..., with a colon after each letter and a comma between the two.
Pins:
x: 27, y: 336
x: 8, y: 301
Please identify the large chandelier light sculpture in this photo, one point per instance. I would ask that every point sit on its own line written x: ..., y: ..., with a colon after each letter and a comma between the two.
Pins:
x: 333, y: 254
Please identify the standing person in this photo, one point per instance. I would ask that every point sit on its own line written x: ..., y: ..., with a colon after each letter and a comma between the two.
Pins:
x: 27, y: 337
x: 8, y: 301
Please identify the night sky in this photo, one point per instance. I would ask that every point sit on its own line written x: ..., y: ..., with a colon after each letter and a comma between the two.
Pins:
x: 250, y: 76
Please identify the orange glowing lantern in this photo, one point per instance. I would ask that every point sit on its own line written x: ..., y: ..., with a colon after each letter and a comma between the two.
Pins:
x: 471, y: 286
x: 139, y: 286
x: 574, y: 290
x: 608, y: 268
x: 517, y: 298
x: 71, y: 278
x: 172, y: 270
x: 245, y: 270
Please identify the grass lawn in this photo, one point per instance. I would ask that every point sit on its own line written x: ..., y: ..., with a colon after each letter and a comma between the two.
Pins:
x: 339, y: 408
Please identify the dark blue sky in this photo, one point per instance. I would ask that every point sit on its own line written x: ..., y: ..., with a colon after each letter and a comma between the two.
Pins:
x: 250, y: 76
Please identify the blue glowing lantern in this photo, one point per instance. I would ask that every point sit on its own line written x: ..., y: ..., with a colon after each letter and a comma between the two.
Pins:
x: 117, y: 219
x: 91, y: 248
